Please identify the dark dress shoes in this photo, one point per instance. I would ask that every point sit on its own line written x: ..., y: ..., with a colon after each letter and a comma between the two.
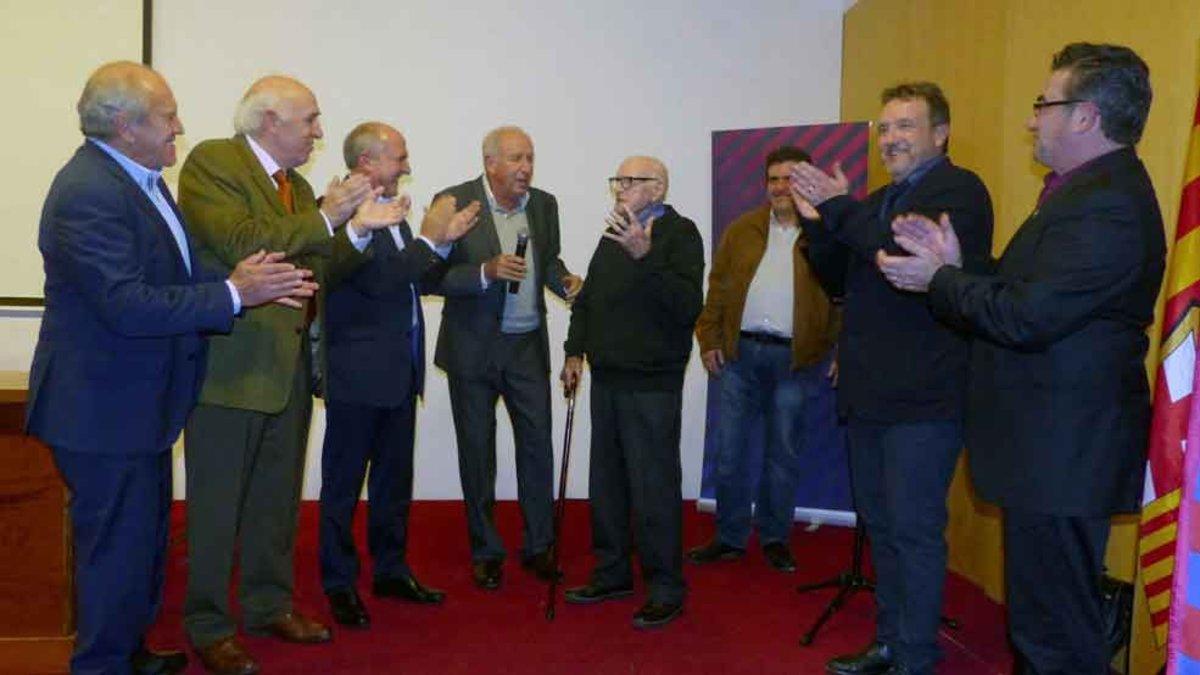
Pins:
x: 347, y: 608
x: 655, y: 614
x: 542, y: 566
x: 779, y: 556
x: 593, y: 593
x: 226, y: 657
x: 407, y: 588
x: 714, y: 551
x: 874, y: 660
x: 146, y: 662
x: 293, y: 627
x: 487, y: 573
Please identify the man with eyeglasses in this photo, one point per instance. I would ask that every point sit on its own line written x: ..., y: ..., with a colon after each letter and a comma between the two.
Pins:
x: 633, y: 322
x: 1059, y: 402
x: 493, y: 344
x: 765, y: 335
x: 902, y: 372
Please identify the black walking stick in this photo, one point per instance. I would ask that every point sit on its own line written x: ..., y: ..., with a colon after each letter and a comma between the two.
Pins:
x: 560, y: 507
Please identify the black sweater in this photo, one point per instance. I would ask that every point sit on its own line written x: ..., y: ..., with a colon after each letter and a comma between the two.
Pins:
x: 634, y: 318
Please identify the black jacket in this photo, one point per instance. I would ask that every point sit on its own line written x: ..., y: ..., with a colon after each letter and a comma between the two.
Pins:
x: 897, y: 363
x: 634, y: 318
x: 1059, y: 405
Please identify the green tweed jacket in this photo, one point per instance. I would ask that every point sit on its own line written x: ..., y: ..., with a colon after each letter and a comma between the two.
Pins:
x: 232, y: 210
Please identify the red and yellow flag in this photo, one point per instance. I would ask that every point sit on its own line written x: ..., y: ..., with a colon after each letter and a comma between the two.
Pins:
x: 1172, y: 397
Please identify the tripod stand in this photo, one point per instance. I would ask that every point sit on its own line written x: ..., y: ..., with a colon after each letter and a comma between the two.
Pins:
x: 847, y: 582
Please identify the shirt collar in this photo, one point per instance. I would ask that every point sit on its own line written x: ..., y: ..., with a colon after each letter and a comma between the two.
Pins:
x: 146, y: 179
x: 922, y: 169
x: 1052, y: 181
x: 495, y: 205
x: 264, y: 158
x: 651, y: 211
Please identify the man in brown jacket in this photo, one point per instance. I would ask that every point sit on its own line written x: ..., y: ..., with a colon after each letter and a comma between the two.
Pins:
x: 766, y: 333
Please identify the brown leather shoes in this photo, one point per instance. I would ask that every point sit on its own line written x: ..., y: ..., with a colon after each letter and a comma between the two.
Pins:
x: 293, y: 627
x: 227, y: 657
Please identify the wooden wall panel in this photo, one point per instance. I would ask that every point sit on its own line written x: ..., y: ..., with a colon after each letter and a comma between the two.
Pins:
x: 992, y: 57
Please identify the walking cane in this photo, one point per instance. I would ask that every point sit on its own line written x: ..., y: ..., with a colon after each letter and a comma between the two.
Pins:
x: 560, y: 507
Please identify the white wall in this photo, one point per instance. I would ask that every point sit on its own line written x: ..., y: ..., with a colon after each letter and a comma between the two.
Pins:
x: 591, y: 84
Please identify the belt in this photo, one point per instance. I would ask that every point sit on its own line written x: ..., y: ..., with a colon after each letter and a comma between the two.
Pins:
x: 766, y: 338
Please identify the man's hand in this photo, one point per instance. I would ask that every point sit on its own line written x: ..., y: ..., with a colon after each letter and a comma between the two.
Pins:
x: 916, y: 233
x: 572, y: 284
x: 264, y: 277
x: 714, y: 361
x: 443, y: 225
x: 375, y: 215
x: 342, y: 197
x: 628, y: 232
x: 505, y: 266
x: 814, y: 186
x: 572, y: 371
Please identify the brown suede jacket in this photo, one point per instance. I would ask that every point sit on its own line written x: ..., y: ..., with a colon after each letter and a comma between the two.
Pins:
x: 815, y: 320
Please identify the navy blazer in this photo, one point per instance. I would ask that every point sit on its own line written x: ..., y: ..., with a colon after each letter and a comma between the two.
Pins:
x: 1059, y: 406
x: 370, y: 337
x: 120, y: 356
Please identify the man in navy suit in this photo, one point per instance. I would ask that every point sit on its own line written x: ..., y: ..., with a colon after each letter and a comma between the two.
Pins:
x: 374, y: 371
x: 1059, y: 406
x: 120, y: 354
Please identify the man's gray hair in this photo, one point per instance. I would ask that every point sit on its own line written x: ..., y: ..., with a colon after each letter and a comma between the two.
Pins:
x: 266, y: 94
x: 364, y: 139
x: 114, y: 89
x: 491, y: 142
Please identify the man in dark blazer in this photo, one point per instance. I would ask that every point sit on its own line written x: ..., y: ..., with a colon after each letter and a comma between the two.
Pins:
x: 374, y: 336
x: 120, y: 354
x: 493, y: 344
x: 902, y: 372
x: 1059, y: 404
x: 246, y: 440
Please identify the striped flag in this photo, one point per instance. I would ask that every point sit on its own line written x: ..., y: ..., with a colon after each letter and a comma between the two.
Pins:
x: 1183, y: 643
x: 1160, y: 522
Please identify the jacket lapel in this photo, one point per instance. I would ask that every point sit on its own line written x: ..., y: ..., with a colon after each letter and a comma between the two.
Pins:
x: 265, y: 183
x: 486, y: 223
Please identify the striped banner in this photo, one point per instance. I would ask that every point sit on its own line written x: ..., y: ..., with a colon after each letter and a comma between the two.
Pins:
x: 1173, y: 403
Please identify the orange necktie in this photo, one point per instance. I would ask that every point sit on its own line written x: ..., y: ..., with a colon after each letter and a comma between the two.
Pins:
x: 284, y: 185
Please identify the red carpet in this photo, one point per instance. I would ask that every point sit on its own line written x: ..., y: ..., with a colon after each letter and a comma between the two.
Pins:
x: 740, y: 617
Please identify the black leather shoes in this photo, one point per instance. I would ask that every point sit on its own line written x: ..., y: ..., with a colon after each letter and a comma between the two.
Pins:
x: 714, y: 551
x: 874, y: 660
x: 487, y: 574
x: 779, y: 556
x: 347, y: 608
x: 655, y: 614
x: 146, y: 662
x: 542, y: 566
x: 406, y: 588
x: 593, y: 593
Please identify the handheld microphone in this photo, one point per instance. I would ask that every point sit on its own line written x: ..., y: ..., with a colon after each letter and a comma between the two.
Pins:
x: 522, y: 243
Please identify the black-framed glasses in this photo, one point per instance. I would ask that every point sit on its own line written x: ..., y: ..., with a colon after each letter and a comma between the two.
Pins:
x: 626, y: 182
x: 1040, y: 103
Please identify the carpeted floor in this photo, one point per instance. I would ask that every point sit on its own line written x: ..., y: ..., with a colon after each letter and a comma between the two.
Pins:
x: 740, y: 617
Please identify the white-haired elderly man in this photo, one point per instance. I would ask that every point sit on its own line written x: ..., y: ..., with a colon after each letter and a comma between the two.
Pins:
x: 245, y: 441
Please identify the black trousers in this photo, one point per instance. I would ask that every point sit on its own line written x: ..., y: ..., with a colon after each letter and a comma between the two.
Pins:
x: 516, y: 372
x: 1052, y: 568
x: 636, y: 477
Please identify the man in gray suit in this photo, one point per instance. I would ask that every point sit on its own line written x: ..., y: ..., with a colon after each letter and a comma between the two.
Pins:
x: 493, y: 344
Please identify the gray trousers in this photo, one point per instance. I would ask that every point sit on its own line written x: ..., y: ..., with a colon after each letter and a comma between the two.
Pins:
x: 635, y: 471
x: 244, y: 474
x: 516, y: 372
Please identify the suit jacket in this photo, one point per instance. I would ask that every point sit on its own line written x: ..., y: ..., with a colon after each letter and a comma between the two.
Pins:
x: 1059, y: 403
x: 369, y: 332
x: 119, y: 358
x: 234, y: 210
x: 471, y: 316
x: 897, y: 363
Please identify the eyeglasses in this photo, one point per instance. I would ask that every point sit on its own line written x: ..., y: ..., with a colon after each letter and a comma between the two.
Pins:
x: 1040, y: 102
x: 626, y: 182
